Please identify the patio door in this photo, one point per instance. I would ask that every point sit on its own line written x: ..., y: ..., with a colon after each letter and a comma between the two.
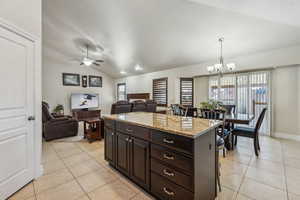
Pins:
x: 253, y: 94
x: 250, y: 92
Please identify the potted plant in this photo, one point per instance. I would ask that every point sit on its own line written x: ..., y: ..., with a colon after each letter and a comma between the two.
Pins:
x: 59, y: 109
x: 212, y: 105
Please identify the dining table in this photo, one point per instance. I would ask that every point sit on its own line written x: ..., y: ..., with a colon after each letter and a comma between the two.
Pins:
x: 239, y: 118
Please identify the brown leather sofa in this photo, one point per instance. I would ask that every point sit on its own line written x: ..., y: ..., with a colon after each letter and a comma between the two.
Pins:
x: 55, y: 128
x: 121, y: 107
x: 151, y: 106
x: 139, y: 106
x: 136, y: 106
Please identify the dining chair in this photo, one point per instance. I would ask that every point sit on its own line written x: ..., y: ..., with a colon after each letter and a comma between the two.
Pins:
x: 191, y: 112
x: 175, y: 109
x: 230, y: 109
x: 250, y: 132
x: 221, y: 130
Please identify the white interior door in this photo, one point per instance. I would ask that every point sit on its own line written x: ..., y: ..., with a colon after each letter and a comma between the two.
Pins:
x: 16, y: 106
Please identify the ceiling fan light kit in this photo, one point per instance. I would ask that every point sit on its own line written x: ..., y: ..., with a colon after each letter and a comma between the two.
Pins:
x: 87, y: 61
x: 138, y: 67
x: 221, y: 67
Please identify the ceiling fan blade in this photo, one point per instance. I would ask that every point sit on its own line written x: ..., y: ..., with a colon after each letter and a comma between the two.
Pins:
x: 96, y: 64
x: 81, y: 63
x: 99, y: 60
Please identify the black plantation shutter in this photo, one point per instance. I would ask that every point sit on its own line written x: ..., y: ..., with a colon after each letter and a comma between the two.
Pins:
x: 186, y: 91
x: 160, y: 91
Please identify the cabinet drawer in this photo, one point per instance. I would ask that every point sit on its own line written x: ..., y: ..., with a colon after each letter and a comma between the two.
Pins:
x: 172, y: 158
x: 109, y: 123
x: 139, y: 132
x: 165, y: 189
x: 173, y: 141
x: 172, y: 175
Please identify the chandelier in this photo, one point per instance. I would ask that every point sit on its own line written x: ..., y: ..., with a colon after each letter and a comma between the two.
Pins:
x: 220, y: 67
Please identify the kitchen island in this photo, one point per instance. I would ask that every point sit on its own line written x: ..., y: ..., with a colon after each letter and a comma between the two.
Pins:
x: 171, y: 157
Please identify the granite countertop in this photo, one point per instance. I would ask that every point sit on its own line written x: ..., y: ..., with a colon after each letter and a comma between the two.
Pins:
x: 185, y: 126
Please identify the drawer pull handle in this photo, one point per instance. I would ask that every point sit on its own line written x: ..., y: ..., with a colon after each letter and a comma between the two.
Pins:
x: 127, y: 139
x: 169, y: 157
x: 166, y: 172
x: 128, y: 130
x: 168, y: 141
x: 170, y: 193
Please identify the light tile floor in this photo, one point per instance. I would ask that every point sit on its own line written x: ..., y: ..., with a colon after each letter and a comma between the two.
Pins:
x: 78, y: 171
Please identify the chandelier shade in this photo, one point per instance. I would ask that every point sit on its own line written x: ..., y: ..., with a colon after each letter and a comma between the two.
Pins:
x: 221, y: 67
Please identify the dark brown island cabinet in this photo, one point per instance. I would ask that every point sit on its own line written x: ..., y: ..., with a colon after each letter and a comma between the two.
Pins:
x: 170, y: 157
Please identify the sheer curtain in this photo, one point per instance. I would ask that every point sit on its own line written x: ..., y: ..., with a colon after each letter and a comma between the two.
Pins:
x: 242, y: 89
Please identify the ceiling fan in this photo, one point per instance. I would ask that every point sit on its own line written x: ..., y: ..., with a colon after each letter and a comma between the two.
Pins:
x: 87, y: 61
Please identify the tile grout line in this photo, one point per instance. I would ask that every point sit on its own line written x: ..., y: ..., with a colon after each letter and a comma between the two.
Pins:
x: 243, y: 179
x: 73, y: 174
x: 61, y: 159
x: 284, y: 170
x: 92, y: 158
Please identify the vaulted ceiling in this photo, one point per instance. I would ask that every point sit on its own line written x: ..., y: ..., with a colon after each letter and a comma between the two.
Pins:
x: 159, y: 34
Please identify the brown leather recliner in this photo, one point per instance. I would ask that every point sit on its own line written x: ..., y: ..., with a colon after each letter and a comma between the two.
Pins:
x: 139, y: 106
x: 121, y: 107
x: 55, y: 128
x: 151, y: 106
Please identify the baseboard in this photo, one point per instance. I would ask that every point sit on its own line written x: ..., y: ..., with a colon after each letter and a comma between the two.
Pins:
x: 39, y: 172
x: 287, y: 136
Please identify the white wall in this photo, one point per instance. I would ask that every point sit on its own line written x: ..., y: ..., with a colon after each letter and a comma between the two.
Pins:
x: 286, y: 101
x: 200, y: 90
x: 26, y: 15
x: 55, y: 93
x: 143, y: 83
x: 283, y: 98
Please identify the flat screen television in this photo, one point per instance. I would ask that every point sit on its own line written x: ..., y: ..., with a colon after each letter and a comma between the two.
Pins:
x: 84, y: 101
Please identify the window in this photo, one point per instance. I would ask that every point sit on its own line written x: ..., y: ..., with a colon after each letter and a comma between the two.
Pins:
x: 187, y: 91
x: 121, y: 89
x: 242, y: 90
x: 160, y: 91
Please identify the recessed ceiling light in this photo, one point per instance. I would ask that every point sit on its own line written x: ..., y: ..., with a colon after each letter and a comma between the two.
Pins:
x: 123, y: 72
x: 138, y: 67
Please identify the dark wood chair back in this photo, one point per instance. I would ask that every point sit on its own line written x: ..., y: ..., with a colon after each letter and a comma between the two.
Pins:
x: 260, y: 120
x: 191, y: 112
x: 216, y: 115
x: 230, y: 109
x: 212, y: 114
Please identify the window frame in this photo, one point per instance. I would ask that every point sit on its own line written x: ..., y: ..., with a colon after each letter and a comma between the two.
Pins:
x: 118, y: 94
x: 166, y: 90
x: 187, y: 79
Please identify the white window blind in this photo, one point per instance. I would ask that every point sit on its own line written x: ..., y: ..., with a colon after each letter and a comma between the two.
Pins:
x: 160, y: 91
x: 186, y: 91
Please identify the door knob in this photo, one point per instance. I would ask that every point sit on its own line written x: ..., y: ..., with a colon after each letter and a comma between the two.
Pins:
x: 31, y: 118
